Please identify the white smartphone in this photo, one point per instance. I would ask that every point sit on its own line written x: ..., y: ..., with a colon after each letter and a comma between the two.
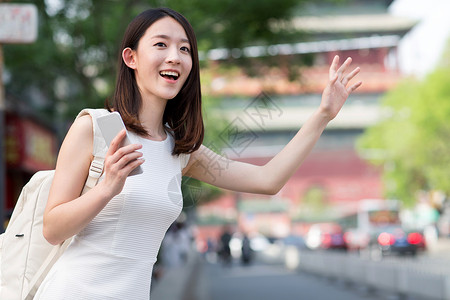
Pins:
x: 110, y: 125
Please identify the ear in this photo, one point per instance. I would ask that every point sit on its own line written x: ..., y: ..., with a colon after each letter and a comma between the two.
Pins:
x: 129, y: 57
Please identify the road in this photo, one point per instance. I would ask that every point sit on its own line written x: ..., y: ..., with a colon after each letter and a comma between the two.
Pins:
x: 269, y: 279
x: 264, y: 281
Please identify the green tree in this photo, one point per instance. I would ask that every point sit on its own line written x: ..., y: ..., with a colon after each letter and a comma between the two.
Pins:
x: 414, y: 137
x: 235, y: 23
x: 72, y: 64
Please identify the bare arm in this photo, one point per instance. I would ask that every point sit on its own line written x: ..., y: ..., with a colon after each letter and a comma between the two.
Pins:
x: 270, y: 178
x: 67, y: 212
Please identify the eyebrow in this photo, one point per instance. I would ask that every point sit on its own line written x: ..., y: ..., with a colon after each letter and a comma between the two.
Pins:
x: 163, y: 36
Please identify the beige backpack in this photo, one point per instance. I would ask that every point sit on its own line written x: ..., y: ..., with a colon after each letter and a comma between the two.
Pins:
x: 25, y: 255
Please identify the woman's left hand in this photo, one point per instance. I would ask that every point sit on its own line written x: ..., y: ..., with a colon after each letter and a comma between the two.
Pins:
x: 336, y: 92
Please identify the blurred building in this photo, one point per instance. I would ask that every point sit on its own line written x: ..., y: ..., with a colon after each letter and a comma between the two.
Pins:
x: 30, y: 146
x: 335, y: 176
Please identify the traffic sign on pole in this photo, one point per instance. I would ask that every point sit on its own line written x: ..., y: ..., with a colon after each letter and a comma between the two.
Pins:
x: 18, y: 23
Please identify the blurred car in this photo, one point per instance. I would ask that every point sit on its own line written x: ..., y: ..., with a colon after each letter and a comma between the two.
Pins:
x: 418, y: 238
x: 293, y: 240
x: 356, y: 239
x: 395, y: 240
x: 325, y: 236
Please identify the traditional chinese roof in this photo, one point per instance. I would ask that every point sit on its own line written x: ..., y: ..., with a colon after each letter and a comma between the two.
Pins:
x: 380, y: 24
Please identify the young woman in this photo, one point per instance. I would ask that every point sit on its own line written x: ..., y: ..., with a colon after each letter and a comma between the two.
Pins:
x: 120, y: 223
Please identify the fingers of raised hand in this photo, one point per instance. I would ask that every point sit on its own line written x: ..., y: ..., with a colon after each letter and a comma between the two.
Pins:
x: 333, y: 68
x: 338, y: 74
x: 343, y: 67
x: 354, y: 87
x: 349, y: 76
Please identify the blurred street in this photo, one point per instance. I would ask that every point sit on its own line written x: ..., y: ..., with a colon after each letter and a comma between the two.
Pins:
x: 267, y: 277
x: 268, y: 282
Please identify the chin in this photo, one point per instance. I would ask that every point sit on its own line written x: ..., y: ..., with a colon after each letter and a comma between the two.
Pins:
x: 170, y: 95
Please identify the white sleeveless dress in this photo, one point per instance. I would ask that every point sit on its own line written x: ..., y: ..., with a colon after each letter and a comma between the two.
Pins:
x: 113, y: 257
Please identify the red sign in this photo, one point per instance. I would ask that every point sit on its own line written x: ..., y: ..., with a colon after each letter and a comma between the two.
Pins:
x: 29, y: 145
x: 18, y: 23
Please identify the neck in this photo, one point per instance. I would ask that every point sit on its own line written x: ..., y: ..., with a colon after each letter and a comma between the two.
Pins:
x: 151, y: 117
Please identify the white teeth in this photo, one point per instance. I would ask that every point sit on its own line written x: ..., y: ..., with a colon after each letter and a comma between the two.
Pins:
x: 169, y: 73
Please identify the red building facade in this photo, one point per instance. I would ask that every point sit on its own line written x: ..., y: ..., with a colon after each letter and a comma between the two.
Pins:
x: 30, y: 146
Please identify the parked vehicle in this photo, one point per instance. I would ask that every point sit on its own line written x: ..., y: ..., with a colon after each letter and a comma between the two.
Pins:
x: 356, y: 239
x: 395, y: 240
x: 366, y: 221
x: 325, y: 236
x: 293, y: 240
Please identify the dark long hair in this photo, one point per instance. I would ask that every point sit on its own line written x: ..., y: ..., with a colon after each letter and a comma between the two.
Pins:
x: 183, y: 113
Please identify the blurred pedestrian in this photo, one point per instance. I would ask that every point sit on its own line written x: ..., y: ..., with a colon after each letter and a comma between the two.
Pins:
x: 120, y: 223
x: 211, y: 251
x: 225, y: 250
x: 246, y: 250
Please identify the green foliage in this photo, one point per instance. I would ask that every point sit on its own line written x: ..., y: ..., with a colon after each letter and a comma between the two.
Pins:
x: 233, y: 23
x: 72, y: 64
x: 414, y: 137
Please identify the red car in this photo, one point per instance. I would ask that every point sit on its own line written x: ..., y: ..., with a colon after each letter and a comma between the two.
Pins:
x: 325, y: 236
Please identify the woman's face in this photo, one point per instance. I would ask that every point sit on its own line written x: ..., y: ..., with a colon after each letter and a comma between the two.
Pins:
x: 162, y: 61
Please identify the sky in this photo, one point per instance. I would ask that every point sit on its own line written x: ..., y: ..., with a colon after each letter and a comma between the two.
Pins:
x: 421, y: 49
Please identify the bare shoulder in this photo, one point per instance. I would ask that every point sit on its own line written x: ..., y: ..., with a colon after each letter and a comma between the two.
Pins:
x: 78, y: 143
x: 83, y: 125
x: 81, y: 132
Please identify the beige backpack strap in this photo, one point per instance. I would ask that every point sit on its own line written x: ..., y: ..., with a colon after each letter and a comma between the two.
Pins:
x: 99, y: 149
x: 95, y: 171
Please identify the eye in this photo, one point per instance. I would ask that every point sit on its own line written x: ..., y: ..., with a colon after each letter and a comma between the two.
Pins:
x: 185, y: 49
x: 160, y: 44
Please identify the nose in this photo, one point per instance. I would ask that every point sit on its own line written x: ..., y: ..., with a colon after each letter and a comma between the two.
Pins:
x: 173, y: 56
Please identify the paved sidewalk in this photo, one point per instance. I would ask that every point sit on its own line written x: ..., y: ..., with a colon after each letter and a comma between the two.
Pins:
x: 179, y: 283
x: 439, y: 249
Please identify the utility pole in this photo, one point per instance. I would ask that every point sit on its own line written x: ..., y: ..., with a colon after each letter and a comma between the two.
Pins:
x: 18, y: 25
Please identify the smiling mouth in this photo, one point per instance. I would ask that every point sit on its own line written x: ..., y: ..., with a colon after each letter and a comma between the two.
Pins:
x: 171, y: 75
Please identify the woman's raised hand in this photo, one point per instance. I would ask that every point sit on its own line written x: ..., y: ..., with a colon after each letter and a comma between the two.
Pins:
x: 119, y: 162
x: 336, y: 92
